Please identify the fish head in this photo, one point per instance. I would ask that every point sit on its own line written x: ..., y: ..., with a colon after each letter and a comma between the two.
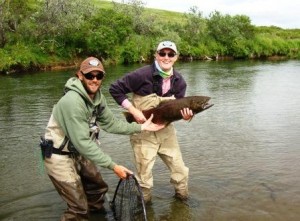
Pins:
x: 199, y: 103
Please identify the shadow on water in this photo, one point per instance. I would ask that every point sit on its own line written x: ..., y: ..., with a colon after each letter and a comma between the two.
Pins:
x: 243, y: 153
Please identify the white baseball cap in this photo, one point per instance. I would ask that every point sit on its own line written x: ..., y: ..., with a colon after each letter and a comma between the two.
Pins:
x: 167, y: 44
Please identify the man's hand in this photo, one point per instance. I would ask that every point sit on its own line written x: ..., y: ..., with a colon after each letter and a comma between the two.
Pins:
x: 149, y: 126
x: 187, y: 114
x: 122, y: 172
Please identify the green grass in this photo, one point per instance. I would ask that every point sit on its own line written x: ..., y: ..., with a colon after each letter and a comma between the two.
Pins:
x: 159, y: 14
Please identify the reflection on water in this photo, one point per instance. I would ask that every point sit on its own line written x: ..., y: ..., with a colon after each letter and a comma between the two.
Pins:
x: 243, y: 153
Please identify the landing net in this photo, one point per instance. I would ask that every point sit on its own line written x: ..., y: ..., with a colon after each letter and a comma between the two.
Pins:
x: 128, y: 202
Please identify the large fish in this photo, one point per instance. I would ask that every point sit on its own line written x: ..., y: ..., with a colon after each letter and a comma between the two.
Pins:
x: 169, y: 111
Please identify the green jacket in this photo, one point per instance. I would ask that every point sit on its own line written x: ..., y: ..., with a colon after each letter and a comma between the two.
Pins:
x: 72, y: 115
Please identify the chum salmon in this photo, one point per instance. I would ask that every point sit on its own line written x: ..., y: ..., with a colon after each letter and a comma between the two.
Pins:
x: 169, y: 111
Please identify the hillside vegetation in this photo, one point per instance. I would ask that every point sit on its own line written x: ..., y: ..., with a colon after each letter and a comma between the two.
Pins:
x: 43, y: 34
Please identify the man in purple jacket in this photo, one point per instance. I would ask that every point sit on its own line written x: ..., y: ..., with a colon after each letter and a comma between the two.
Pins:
x: 150, y: 85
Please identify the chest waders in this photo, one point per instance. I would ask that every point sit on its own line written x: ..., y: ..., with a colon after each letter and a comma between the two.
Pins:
x: 148, y: 145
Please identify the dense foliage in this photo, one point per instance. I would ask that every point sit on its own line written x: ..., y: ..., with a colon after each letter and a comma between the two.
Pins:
x: 35, y: 34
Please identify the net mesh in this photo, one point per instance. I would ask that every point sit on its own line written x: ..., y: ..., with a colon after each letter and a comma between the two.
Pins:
x: 128, y: 203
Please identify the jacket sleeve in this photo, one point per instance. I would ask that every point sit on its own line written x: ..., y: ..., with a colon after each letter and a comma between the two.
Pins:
x: 131, y: 82
x: 109, y: 123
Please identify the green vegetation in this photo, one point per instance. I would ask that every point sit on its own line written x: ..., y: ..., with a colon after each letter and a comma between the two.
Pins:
x: 38, y: 34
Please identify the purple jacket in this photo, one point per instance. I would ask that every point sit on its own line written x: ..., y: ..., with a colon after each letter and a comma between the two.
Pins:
x: 145, y: 81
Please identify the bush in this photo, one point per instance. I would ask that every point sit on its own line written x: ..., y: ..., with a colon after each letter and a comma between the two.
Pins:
x: 21, y: 57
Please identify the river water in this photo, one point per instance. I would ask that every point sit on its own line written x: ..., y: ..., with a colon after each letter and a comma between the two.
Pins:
x: 243, y: 153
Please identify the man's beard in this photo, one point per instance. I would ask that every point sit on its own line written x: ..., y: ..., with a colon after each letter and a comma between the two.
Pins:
x: 89, y: 92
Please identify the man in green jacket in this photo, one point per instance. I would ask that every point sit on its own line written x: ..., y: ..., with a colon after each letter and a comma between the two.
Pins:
x: 71, y: 148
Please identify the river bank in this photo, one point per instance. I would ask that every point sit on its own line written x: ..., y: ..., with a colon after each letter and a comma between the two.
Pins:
x: 74, y: 63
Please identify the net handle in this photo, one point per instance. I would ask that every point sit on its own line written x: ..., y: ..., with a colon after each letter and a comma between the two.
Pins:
x: 142, y: 196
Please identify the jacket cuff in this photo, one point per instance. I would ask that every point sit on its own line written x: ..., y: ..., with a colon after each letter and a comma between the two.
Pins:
x: 112, y: 165
x: 126, y: 104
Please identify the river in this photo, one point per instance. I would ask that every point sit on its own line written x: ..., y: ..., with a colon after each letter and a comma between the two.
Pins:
x: 243, y: 153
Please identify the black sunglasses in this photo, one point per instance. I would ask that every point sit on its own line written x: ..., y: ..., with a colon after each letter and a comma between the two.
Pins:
x: 163, y: 54
x: 90, y: 76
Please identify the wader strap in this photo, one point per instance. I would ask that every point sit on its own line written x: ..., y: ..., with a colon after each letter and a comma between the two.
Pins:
x: 63, y: 144
x: 60, y: 152
x: 61, y: 147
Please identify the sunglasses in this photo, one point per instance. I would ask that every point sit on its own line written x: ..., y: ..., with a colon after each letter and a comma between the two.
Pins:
x: 90, y: 76
x: 163, y: 54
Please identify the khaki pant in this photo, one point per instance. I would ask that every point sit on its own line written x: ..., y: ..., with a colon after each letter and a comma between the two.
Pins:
x: 147, y: 145
x: 79, y: 183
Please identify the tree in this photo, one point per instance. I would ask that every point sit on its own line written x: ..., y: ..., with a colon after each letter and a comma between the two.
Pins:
x: 194, y: 30
x: 12, y: 14
x: 228, y: 29
x: 142, y: 23
x: 108, y: 30
x: 59, y: 18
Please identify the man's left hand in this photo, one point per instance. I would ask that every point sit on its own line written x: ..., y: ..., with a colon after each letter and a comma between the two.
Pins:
x: 187, y: 114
